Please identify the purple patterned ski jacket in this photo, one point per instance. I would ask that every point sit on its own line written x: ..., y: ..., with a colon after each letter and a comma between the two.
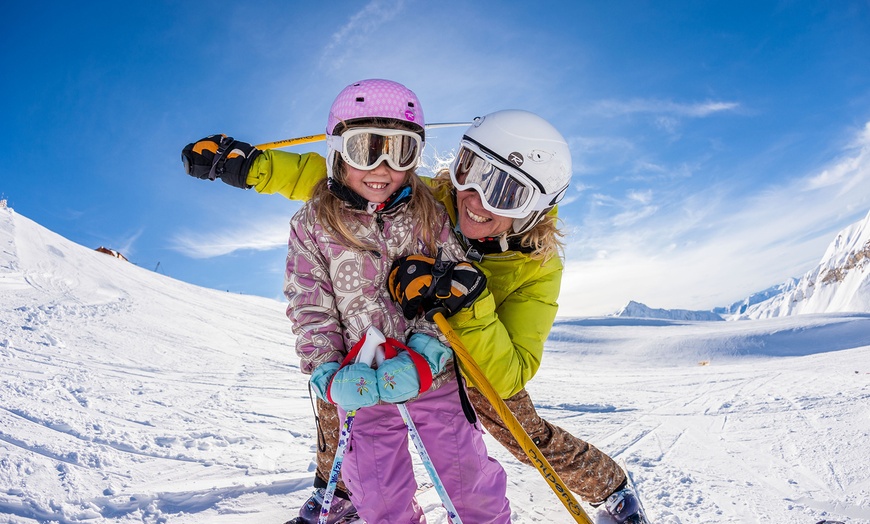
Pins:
x: 336, y: 292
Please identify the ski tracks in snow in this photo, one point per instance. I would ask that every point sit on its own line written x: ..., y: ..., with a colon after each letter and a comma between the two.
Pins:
x: 672, y: 442
x: 109, y: 422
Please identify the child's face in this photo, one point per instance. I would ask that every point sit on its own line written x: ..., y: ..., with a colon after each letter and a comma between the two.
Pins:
x: 377, y: 184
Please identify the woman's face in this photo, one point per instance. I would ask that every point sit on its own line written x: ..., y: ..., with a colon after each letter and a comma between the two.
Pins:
x: 476, y: 221
x: 377, y: 184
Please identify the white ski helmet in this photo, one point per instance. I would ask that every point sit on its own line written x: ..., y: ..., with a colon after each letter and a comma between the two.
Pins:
x: 518, y: 162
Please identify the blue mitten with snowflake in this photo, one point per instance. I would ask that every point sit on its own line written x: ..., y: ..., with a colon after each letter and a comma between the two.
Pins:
x: 354, y: 387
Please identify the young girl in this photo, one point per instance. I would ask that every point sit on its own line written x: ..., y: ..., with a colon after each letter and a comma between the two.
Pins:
x: 371, y: 210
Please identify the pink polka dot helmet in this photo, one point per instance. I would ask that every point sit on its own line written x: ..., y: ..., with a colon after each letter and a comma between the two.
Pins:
x: 373, y: 98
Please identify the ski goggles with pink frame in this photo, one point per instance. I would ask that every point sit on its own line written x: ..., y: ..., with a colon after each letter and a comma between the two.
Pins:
x: 504, y: 189
x: 365, y: 148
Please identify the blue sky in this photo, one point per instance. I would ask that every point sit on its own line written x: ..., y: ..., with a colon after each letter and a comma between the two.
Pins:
x: 718, y: 147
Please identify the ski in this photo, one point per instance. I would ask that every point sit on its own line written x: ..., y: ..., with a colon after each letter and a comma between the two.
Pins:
x: 642, y: 516
x: 343, y: 520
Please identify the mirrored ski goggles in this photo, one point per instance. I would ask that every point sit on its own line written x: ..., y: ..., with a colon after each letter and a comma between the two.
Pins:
x: 504, y: 190
x: 366, y: 147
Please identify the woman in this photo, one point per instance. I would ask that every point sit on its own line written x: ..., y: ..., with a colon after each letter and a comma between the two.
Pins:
x: 504, y: 157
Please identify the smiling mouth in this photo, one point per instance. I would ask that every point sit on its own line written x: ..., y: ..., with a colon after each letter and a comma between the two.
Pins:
x: 375, y: 185
x: 476, y: 218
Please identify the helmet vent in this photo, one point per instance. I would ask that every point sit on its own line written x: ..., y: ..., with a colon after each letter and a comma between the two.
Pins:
x: 541, y: 156
x: 360, y: 99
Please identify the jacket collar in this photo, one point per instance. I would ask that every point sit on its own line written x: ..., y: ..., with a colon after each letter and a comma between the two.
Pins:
x: 477, y: 248
x: 355, y: 201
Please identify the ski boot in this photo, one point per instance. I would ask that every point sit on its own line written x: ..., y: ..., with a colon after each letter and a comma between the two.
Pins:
x: 624, y: 506
x: 340, y: 512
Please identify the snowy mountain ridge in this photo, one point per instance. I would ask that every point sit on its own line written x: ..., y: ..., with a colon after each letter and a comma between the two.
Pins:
x: 839, y: 283
x: 739, y: 307
x: 637, y: 310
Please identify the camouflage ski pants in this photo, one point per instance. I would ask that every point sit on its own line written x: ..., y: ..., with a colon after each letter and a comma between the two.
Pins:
x: 585, y: 470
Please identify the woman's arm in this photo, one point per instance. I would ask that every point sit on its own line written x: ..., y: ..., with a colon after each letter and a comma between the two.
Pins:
x: 289, y: 174
x: 505, y: 333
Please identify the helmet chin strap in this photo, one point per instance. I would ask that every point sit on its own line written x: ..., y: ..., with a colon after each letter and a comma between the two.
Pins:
x: 502, y: 241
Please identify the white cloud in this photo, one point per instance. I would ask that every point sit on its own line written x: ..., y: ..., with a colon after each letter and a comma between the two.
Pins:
x: 266, y: 234
x: 662, y: 107
x: 644, y: 166
x: 642, y: 197
x: 633, y: 216
x: 848, y: 173
x: 348, y: 38
x: 568, y: 200
x: 126, y: 245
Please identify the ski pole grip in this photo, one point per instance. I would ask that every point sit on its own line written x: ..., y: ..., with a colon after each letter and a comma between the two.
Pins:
x: 369, y: 350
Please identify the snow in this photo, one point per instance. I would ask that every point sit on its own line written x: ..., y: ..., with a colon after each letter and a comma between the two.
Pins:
x: 128, y: 396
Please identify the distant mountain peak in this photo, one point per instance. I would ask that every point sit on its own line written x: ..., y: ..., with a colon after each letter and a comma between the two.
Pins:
x: 638, y: 310
x: 839, y: 283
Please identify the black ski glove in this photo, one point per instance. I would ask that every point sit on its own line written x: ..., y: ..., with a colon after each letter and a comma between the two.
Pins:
x: 422, y: 284
x: 220, y: 156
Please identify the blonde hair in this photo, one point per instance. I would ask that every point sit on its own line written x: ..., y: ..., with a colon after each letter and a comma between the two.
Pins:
x: 334, y: 215
x: 544, y: 239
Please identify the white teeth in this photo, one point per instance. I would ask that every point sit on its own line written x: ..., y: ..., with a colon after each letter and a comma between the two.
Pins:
x: 375, y: 185
x: 477, y: 218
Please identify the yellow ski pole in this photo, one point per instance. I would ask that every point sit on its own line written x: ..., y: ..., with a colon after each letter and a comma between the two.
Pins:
x: 287, y: 142
x: 470, y: 367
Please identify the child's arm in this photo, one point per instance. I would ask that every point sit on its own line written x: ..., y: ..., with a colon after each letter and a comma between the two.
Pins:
x: 312, y: 307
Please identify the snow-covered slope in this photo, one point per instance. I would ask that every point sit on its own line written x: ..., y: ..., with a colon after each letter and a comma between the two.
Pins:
x: 637, y: 310
x: 841, y: 281
x: 127, y: 396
